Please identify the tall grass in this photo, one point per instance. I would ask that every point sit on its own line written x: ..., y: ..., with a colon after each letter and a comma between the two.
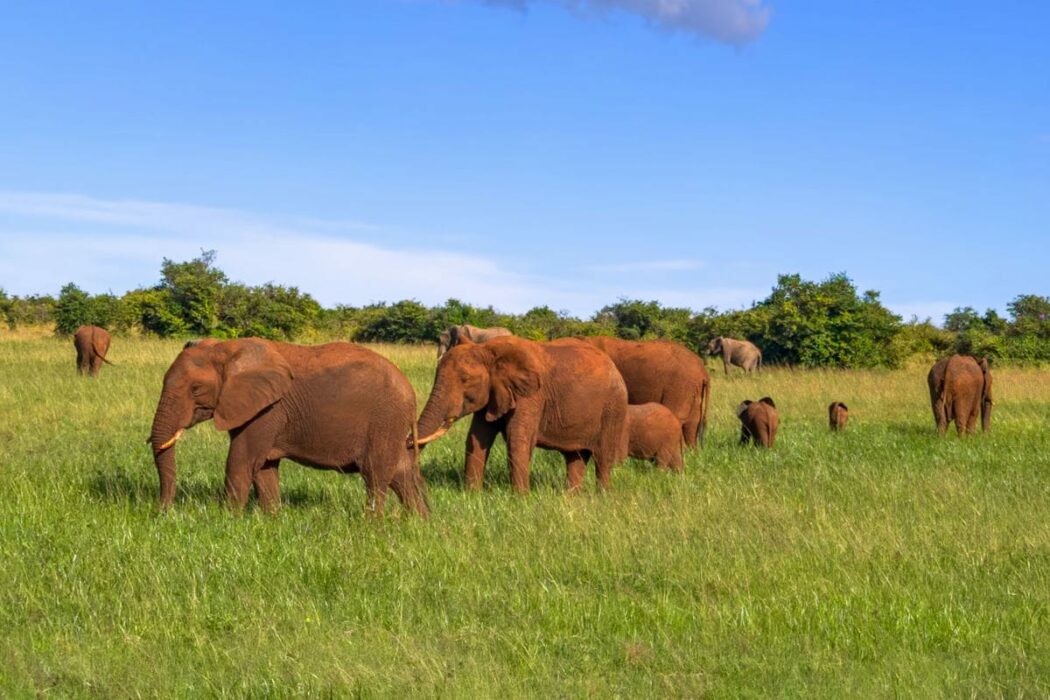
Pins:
x: 883, y: 561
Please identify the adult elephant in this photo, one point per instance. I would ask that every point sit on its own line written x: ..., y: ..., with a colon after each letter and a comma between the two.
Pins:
x: 454, y: 335
x: 564, y: 395
x: 337, y: 406
x: 664, y: 372
x: 92, y: 344
x: 960, y: 388
x: 742, y: 353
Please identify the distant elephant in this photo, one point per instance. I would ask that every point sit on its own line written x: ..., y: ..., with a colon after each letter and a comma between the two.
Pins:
x: 960, y: 387
x: 451, y: 337
x: 742, y: 353
x: 92, y: 344
x: 838, y: 415
x: 563, y: 395
x: 663, y: 372
x: 758, y: 422
x: 337, y: 406
x: 655, y: 434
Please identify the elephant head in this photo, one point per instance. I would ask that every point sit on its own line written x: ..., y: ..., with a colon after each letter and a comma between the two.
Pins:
x: 492, y: 376
x: 715, y: 346
x: 230, y: 382
x: 986, y: 396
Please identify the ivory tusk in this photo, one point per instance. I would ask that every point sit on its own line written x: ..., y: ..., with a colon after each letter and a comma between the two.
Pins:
x: 173, y: 440
x: 433, y: 436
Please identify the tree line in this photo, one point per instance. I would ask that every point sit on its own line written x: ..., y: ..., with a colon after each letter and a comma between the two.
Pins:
x: 812, y: 324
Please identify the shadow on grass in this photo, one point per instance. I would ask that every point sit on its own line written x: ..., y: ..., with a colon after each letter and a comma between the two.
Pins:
x: 120, y: 486
x: 913, y: 430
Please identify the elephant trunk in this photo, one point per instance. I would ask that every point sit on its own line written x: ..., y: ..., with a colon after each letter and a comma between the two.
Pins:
x: 165, y: 432
x: 436, y: 419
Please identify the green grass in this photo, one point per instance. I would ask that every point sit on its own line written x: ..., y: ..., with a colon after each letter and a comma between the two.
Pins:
x: 879, y: 562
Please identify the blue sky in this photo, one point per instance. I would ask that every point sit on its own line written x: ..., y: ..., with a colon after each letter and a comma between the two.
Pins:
x: 528, y: 152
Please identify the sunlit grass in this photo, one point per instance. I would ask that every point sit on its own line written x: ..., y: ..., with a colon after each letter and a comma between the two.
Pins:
x: 883, y: 561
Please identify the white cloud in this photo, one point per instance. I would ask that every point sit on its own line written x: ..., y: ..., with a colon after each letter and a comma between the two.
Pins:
x: 47, y: 240
x: 728, y: 21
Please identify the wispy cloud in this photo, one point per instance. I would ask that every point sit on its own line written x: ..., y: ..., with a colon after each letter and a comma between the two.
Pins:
x: 728, y: 21
x: 648, y: 266
x: 47, y: 240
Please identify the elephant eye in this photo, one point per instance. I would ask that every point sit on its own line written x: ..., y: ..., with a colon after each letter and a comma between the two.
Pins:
x: 198, y: 390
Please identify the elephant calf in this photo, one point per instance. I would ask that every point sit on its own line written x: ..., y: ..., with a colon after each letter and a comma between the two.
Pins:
x: 92, y: 344
x: 758, y: 422
x: 838, y: 414
x: 655, y: 434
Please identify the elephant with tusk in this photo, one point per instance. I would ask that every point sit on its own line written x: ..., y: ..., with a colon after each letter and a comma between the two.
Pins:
x: 337, y: 406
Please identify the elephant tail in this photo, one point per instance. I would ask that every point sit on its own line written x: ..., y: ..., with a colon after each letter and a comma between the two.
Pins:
x: 98, y: 351
x: 705, y: 400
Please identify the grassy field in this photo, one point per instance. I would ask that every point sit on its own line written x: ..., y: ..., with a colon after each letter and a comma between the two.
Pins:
x: 879, y: 562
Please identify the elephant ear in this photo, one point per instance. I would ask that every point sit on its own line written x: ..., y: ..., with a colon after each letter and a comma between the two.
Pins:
x: 844, y: 406
x: 515, y: 375
x: 742, y: 407
x: 254, y: 377
x: 768, y: 401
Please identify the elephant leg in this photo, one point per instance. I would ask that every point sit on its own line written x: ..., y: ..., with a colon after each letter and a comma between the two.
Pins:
x: 725, y: 364
x: 575, y: 468
x: 479, y: 441
x: 971, y: 419
x: 268, y: 486
x: 745, y: 435
x: 375, y: 492
x: 940, y: 414
x: 520, y: 442
x: 603, y: 467
x: 243, y: 461
x: 671, y: 459
x: 410, y: 489
x: 691, y: 428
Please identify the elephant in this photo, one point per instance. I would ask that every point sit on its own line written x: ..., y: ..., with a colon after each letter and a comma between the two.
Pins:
x: 742, y: 353
x: 92, y: 344
x: 337, y: 406
x: 960, y: 387
x: 838, y: 415
x: 655, y: 434
x: 664, y: 372
x: 759, y: 421
x: 561, y: 395
x: 451, y: 337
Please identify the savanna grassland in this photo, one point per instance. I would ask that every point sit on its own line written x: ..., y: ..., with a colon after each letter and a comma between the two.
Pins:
x: 879, y: 562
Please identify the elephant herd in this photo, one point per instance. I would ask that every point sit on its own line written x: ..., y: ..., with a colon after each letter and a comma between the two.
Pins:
x: 345, y: 408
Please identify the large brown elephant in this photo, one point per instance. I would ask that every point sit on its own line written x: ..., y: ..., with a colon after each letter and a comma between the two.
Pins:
x: 759, y: 421
x: 960, y: 388
x: 563, y: 395
x: 453, y: 335
x: 742, y: 353
x: 663, y: 372
x: 92, y: 344
x: 337, y: 406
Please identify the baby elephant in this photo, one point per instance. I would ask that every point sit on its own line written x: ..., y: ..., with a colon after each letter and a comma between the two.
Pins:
x: 758, y: 422
x: 838, y: 414
x: 655, y: 435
